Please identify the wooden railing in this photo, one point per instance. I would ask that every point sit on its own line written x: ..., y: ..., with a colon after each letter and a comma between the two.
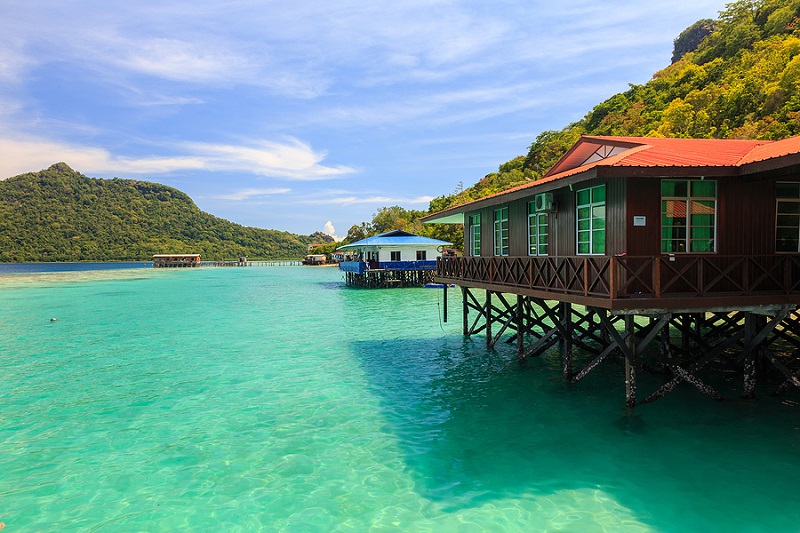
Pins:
x: 621, y: 277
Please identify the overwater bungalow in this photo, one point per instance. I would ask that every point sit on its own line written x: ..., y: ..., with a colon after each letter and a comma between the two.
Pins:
x: 628, y: 239
x: 176, y: 260
x: 314, y: 259
x: 393, y: 259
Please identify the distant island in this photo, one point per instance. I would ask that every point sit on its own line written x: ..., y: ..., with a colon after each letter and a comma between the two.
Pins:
x: 58, y: 214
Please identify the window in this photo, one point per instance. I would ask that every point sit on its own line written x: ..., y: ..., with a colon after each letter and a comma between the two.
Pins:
x: 475, y: 235
x: 395, y: 256
x: 501, y: 231
x: 591, y: 206
x: 688, y: 216
x: 421, y: 255
x: 537, y: 230
x: 787, y: 225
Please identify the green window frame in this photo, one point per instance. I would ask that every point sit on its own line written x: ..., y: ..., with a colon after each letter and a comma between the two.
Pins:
x: 787, y: 217
x: 475, y: 235
x: 591, y: 220
x: 538, y: 227
x: 501, y: 232
x: 688, y: 216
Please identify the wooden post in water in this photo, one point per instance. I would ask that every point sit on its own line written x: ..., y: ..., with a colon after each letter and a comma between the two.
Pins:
x: 465, y: 309
x: 487, y: 312
x: 519, y: 323
x: 630, y: 362
x: 749, y: 385
x: 444, y: 305
x: 566, y: 317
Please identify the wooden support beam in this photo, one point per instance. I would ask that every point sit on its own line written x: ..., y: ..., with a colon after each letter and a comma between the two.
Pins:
x: 519, y: 316
x: 465, y: 295
x: 444, y: 302
x: 749, y: 372
x: 566, y: 349
x: 487, y: 315
x: 630, y: 363
x: 680, y: 374
x: 792, y: 378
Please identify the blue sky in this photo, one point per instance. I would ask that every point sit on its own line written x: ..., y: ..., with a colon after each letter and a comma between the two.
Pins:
x: 309, y: 116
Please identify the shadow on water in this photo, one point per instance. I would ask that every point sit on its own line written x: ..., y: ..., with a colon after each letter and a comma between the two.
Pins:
x: 474, y: 425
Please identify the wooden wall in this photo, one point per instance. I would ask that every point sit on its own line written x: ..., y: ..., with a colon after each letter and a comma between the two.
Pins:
x: 562, y: 223
x: 745, y: 217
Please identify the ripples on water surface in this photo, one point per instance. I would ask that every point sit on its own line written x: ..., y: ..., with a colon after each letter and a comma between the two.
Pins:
x: 275, y: 398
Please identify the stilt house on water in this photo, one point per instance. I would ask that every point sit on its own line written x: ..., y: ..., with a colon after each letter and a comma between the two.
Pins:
x: 693, y: 243
x: 393, y: 259
x: 176, y: 260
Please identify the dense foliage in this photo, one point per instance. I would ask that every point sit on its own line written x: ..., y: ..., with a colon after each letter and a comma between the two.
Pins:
x: 60, y: 215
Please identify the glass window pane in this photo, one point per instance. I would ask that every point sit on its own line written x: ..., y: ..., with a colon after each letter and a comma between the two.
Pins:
x: 704, y: 189
x: 702, y: 220
x: 599, y: 194
x: 789, y: 207
x: 583, y: 248
x: 702, y: 233
x: 787, y: 240
x: 598, y: 242
x: 788, y: 220
x: 787, y: 190
x: 531, y: 208
x: 672, y: 188
x: 703, y: 245
x: 584, y: 197
x: 703, y: 207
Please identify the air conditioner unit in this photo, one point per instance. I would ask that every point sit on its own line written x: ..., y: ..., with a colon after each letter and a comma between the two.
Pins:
x: 544, y: 201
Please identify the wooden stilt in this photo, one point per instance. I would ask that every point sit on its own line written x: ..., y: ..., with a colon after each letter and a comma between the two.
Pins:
x: 519, y: 317
x: 444, y: 302
x: 465, y: 309
x: 749, y: 377
x: 566, y: 348
x: 487, y: 310
x: 630, y: 363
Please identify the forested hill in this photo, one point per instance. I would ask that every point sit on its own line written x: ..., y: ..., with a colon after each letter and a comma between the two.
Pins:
x: 735, y: 77
x: 61, y: 215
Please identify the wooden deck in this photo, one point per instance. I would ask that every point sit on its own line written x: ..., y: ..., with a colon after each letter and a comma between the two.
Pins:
x: 622, y: 283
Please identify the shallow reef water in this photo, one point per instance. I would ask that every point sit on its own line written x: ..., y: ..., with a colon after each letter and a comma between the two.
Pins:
x: 277, y: 399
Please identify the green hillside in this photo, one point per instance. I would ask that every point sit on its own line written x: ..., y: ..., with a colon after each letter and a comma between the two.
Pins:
x: 61, y: 215
x: 735, y: 77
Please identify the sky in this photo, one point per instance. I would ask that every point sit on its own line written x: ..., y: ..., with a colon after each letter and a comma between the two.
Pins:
x: 309, y: 116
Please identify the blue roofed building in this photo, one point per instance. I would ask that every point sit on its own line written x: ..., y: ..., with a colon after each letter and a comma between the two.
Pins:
x: 393, y: 259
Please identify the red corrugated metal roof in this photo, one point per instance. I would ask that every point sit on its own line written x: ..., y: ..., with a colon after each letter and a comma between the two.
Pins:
x: 772, y: 150
x: 662, y: 152
x: 648, y: 152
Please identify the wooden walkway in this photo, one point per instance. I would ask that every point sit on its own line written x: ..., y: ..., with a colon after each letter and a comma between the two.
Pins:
x: 285, y: 262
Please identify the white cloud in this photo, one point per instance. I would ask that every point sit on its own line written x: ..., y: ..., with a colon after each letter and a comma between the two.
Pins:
x: 247, y: 194
x: 292, y: 159
x: 328, y: 229
x: 377, y: 200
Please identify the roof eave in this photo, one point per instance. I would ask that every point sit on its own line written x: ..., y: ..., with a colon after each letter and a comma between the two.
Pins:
x: 767, y: 165
x: 502, y: 198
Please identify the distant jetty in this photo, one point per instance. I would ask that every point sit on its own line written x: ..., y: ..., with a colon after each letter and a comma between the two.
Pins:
x: 193, y: 260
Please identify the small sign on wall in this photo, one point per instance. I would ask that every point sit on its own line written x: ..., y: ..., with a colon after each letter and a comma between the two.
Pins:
x: 639, y: 221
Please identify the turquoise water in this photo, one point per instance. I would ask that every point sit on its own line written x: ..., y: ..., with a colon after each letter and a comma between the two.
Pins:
x: 277, y: 399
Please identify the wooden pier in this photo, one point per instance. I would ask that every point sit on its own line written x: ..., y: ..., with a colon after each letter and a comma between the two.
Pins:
x: 760, y: 344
